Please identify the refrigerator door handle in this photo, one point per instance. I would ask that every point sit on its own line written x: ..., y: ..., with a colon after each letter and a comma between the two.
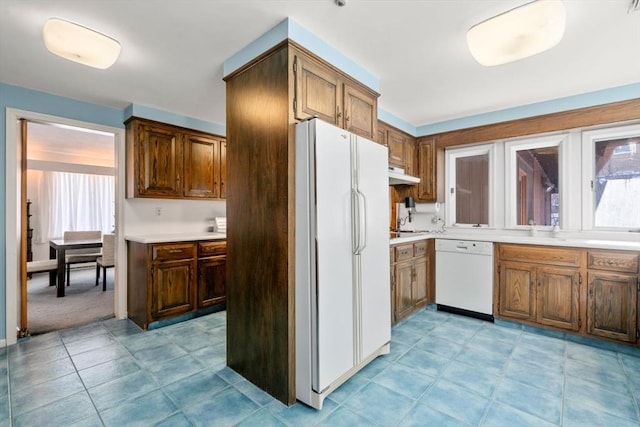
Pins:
x: 355, y: 219
x: 362, y: 222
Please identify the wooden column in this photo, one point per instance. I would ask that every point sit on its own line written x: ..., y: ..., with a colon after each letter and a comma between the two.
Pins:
x: 260, y: 268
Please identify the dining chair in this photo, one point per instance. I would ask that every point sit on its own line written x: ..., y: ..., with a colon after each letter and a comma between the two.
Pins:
x: 80, y: 256
x: 106, y: 260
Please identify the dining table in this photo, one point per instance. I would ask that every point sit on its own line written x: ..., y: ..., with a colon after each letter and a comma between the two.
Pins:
x: 58, y: 249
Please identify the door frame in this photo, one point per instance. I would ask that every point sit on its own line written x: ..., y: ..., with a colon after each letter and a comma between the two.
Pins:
x: 13, y: 218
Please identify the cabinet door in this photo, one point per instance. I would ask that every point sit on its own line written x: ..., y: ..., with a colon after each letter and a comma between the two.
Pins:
x: 223, y: 169
x: 381, y: 134
x: 201, y: 166
x: 517, y: 290
x: 318, y: 91
x: 558, y: 297
x: 159, y: 162
x: 420, y: 282
x: 426, y: 171
x: 611, y: 305
x: 398, y: 144
x: 212, y: 276
x: 173, y: 288
x: 360, y: 112
x: 403, y: 273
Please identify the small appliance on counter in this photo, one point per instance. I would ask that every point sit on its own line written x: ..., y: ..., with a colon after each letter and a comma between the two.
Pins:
x: 220, y: 224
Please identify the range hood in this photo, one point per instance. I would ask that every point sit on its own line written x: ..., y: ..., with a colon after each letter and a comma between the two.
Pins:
x: 398, y: 177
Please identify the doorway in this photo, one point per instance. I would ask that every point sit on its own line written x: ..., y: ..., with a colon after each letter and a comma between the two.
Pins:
x: 70, y: 186
x: 13, y: 217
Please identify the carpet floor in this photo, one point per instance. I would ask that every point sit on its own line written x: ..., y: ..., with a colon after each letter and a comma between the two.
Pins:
x: 83, y: 301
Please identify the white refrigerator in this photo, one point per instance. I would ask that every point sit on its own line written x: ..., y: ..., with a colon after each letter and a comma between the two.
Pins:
x: 343, y: 294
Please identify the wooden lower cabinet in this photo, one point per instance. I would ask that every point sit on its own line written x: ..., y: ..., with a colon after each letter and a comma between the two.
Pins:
x: 171, y: 288
x: 517, y: 290
x: 558, y: 292
x: 212, y: 273
x: 612, y: 301
x: 546, y: 286
x: 612, y: 304
x: 172, y: 279
x: 410, y: 277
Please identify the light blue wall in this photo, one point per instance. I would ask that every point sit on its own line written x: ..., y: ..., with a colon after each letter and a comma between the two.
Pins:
x: 288, y: 28
x: 44, y: 103
x: 292, y: 30
x: 141, y: 111
x: 606, y: 96
x: 396, y: 122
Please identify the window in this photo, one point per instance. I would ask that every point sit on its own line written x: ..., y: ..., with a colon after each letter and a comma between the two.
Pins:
x: 611, y: 166
x: 75, y: 201
x: 533, y: 181
x: 469, y: 183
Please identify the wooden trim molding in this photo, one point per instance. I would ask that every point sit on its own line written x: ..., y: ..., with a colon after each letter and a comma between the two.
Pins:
x: 582, y: 117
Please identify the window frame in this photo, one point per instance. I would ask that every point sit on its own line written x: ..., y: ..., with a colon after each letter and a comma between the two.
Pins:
x: 451, y: 155
x: 511, y: 166
x: 589, y: 140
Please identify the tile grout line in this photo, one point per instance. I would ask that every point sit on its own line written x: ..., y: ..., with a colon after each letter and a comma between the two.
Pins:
x: 75, y: 367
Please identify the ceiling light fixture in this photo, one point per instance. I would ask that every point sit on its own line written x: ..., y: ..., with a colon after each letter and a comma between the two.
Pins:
x: 80, y: 44
x: 521, y: 32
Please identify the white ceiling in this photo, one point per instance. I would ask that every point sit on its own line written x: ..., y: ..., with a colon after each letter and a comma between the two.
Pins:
x: 64, y: 144
x: 173, y: 51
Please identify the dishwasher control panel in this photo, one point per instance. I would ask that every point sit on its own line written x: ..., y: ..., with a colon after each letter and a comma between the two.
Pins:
x: 464, y: 246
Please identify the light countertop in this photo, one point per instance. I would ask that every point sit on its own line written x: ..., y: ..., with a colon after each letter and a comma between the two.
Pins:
x: 525, y: 240
x: 175, y: 237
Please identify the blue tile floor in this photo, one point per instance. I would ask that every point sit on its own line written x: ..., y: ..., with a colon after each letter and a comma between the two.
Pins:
x: 444, y: 370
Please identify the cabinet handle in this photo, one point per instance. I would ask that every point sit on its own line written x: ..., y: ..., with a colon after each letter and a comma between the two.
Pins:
x: 338, y: 113
x: 178, y: 179
x: 175, y: 251
x: 346, y: 118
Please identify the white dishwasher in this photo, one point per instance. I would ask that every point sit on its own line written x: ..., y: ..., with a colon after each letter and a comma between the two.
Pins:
x: 464, y: 277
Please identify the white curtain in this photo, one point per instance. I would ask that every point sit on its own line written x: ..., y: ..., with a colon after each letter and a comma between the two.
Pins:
x: 75, y: 202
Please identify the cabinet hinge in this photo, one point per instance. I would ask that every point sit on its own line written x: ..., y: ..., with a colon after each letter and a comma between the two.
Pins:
x: 295, y: 65
x: 580, y: 278
x: 295, y: 104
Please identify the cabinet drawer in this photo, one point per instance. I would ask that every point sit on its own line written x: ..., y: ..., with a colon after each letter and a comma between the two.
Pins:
x: 540, y: 254
x: 206, y: 249
x: 403, y: 252
x: 613, y: 261
x: 420, y: 249
x: 173, y: 252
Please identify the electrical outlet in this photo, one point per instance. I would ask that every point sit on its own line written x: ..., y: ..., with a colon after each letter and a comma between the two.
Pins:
x: 158, y: 211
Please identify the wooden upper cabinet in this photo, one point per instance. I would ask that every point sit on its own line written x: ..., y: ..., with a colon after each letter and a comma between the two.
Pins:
x: 201, y: 166
x: 398, y: 144
x: 223, y: 169
x: 318, y: 91
x: 158, y: 169
x: 360, y: 112
x: 381, y: 134
x: 426, y: 170
x: 165, y: 161
x: 333, y: 97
